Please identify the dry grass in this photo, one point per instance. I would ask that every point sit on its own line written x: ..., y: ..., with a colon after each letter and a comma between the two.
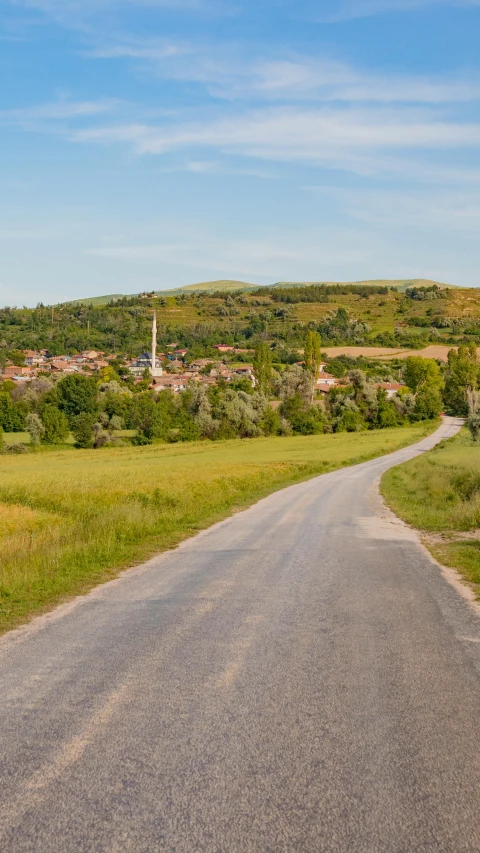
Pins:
x: 72, y: 519
x: 439, y: 351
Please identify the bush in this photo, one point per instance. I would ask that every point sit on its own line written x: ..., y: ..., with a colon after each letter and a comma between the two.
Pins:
x: 473, y: 423
x: 304, y: 419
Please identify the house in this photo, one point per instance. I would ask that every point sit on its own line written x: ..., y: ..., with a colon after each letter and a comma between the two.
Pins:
x: 390, y: 388
x: 199, y: 363
x: 12, y: 370
x: 33, y: 358
x: 172, y: 382
x: 205, y: 380
x: 245, y: 371
x: 326, y: 379
x: 91, y: 355
x: 223, y: 348
x: 227, y: 375
x: 62, y: 365
x: 180, y: 353
x: 323, y: 388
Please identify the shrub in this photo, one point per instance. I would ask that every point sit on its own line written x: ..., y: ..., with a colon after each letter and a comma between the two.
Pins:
x: 473, y: 423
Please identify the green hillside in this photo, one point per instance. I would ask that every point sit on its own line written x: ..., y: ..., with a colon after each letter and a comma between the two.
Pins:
x: 234, y: 286
x: 358, y: 314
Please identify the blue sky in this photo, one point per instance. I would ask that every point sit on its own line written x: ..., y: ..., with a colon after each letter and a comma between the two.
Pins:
x: 155, y: 143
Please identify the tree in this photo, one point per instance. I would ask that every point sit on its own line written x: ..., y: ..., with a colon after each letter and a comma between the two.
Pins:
x: 386, y: 414
x: 144, y: 417
x: 12, y: 417
x: 473, y: 420
x: 35, y: 427
x: 313, y: 357
x: 428, y: 404
x: 422, y: 371
x: 55, y: 424
x: 82, y: 428
x: 262, y: 366
x: 77, y: 395
x: 462, y: 374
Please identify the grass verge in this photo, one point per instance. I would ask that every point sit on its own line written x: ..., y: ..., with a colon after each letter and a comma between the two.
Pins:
x: 70, y: 520
x: 439, y: 494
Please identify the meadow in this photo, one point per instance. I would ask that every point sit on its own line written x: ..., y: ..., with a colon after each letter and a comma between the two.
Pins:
x: 439, y: 494
x: 71, y: 519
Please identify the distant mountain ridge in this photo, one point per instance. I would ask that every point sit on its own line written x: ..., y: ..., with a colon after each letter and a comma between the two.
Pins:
x: 231, y: 285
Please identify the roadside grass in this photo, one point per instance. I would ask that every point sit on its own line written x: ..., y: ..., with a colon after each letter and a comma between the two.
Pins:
x: 70, y: 520
x: 439, y: 494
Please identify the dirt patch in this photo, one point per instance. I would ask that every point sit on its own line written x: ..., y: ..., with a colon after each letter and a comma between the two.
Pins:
x: 447, y: 537
x: 438, y: 351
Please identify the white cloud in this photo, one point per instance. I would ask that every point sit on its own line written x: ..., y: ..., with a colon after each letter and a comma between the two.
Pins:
x: 435, y: 210
x: 73, y: 13
x: 349, y: 139
x: 228, y: 74
x: 348, y: 9
x: 60, y: 109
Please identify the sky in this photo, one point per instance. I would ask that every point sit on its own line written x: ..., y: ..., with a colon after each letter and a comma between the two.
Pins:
x: 148, y: 144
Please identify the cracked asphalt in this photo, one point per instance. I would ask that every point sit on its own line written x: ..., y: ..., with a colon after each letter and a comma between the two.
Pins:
x: 301, y: 678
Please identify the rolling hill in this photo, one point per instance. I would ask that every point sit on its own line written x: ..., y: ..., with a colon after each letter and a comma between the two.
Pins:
x: 232, y: 285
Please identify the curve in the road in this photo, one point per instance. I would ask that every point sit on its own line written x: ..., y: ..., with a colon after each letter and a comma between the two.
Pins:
x: 299, y: 678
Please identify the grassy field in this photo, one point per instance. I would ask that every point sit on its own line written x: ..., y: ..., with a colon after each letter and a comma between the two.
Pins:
x: 69, y: 520
x: 439, y: 493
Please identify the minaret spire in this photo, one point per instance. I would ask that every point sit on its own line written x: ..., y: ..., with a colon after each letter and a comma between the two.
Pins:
x: 155, y: 371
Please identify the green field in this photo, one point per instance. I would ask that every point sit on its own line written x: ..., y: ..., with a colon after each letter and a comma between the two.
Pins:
x: 439, y: 493
x: 71, y: 520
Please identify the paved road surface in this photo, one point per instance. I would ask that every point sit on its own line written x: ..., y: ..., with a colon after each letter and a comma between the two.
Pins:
x: 299, y: 679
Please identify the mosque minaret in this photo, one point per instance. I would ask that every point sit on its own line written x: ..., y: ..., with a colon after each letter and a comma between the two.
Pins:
x: 155, y: 371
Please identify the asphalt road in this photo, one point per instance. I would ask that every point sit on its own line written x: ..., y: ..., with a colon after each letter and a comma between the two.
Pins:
x: 299, y: 679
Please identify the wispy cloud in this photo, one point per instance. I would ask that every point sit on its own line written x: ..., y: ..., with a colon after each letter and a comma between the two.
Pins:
x: 433, y: 210
x: 349, y: 139
x: 350, y: 9
x: 61, y: 109
x: 74, y: 12
x: 227, y: 73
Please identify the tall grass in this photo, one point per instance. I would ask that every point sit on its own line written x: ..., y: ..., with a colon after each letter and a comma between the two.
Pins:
x: 439, y: 493
x: 69, y: 520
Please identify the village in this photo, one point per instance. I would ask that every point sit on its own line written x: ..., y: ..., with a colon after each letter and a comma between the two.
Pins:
x: 171, y: 370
